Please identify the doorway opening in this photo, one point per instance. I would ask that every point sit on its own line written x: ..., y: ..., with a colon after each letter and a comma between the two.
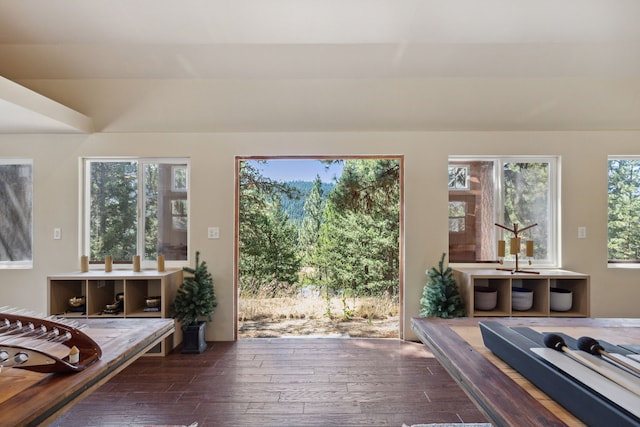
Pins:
x: 319, y: 246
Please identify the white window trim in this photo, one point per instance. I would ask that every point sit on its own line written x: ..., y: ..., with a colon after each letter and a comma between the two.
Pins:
x: 618, y: 265
x: 28, y: 264
x: 85, y: 235
x: 554, y: 161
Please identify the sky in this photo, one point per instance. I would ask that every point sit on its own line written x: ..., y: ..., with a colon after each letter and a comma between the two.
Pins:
x: 298, y: 170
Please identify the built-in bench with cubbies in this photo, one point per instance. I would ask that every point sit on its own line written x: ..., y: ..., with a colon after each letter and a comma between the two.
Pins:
x: 116, y: 294
x: 542, y: 286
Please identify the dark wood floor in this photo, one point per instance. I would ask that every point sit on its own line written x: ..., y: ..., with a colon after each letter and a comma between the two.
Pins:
x: 281, y: 382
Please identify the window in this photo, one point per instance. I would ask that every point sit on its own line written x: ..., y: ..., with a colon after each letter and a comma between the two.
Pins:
x: 484, y: 192
x: 458, y: 177
x: 136, y: 207
x: 16, y: 213
x: 457, y: 216
x: 623, y: 223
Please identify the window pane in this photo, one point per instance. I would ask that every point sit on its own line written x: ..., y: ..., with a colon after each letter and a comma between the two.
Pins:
x: 458, y: 177
x: 166, y: 212
x: 526, y: 202
x: 457, y: 213
x: 456, y: 225
x: 113, y: 210
x: 180, y: 178
x: 16, y: 209
x: 624, y: 210
x: 504, y: 191
x: 472, y: 232
x: 457, y: 209
x: 115, y: 226
x: 151, y: 197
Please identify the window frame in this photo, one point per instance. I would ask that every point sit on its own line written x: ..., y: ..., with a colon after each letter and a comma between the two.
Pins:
x: 622, y: 264
x: 554, y: 245
x: 85, y: 208
x: 22, y: 264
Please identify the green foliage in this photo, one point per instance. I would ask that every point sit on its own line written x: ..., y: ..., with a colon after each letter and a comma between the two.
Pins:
x: 348, y: 239
x: 327, y: 297
x: 369, y: 187
x: 624, y: 210
x: 440, y: 296
x: 269, y: 262
x: 357, y: 249
x: 312, y: 220
x: 196, y: 297
x: 153, y: 175
x: 347, y: 312
x: 526, y: 200
x: 114, y: 193
x: 295, y: 206
x: 358, y: 253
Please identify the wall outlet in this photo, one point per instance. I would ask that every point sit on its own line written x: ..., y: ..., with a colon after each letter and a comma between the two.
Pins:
x: 213, y: 233
x: 57, y: 234
x: 582, y: 232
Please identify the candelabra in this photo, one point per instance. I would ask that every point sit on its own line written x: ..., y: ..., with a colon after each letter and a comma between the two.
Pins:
x: 514, y: 247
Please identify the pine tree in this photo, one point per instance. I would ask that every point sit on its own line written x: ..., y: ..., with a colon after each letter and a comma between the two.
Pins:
x: 441, y: 297
x: 624, y: 208
x: 311, y: 221
x: 196, y: 296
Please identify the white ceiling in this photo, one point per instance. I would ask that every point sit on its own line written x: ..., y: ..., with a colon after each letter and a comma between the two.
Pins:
x: 578, y: 61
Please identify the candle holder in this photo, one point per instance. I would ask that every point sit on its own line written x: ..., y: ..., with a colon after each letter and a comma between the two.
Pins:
x: 514, y: 248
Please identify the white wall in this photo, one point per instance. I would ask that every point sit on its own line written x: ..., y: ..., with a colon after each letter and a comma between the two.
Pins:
x: 615, y: 292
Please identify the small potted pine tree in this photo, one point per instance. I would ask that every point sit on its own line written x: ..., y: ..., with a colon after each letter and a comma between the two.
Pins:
x: 441, y: 296
x: 195, y: 300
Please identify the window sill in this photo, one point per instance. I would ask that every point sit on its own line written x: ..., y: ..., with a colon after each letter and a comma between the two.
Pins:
x: 16, y: 265
x: 625, y: 265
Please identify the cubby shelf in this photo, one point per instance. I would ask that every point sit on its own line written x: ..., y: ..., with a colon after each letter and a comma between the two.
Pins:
x: 540, y: 284
x: 100, y: 288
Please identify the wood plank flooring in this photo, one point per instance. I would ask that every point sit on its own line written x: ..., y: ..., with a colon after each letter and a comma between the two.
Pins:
x: 281, y: 382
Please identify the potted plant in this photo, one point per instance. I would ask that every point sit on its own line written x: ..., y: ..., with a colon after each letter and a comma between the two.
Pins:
x: 195, y: 300
x: 441, y: 296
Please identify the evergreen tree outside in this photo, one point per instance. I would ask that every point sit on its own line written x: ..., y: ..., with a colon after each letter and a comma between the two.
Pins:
x: 328, y: 258
x: 151, y: 197
x: 311, y: 221
x: 114, y: 192
x: 440, y: 295
x: 348, y: 239
x: 282, y: 263
x: 526, y: 200
x: 370, y: 191
x: 269, y: 262
x: 624, y: 210
x: 294, y: 206
x: 358, y: 248
x: 134, y: 209
x: 357, y: 253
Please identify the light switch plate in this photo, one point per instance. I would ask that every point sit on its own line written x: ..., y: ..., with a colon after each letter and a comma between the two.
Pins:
x: 213, y: 233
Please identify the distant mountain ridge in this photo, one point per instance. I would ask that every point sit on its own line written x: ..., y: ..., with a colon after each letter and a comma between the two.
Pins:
x: 295, y: 207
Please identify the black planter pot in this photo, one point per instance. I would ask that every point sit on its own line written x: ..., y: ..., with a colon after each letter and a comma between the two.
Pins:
x: 193, y: 339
